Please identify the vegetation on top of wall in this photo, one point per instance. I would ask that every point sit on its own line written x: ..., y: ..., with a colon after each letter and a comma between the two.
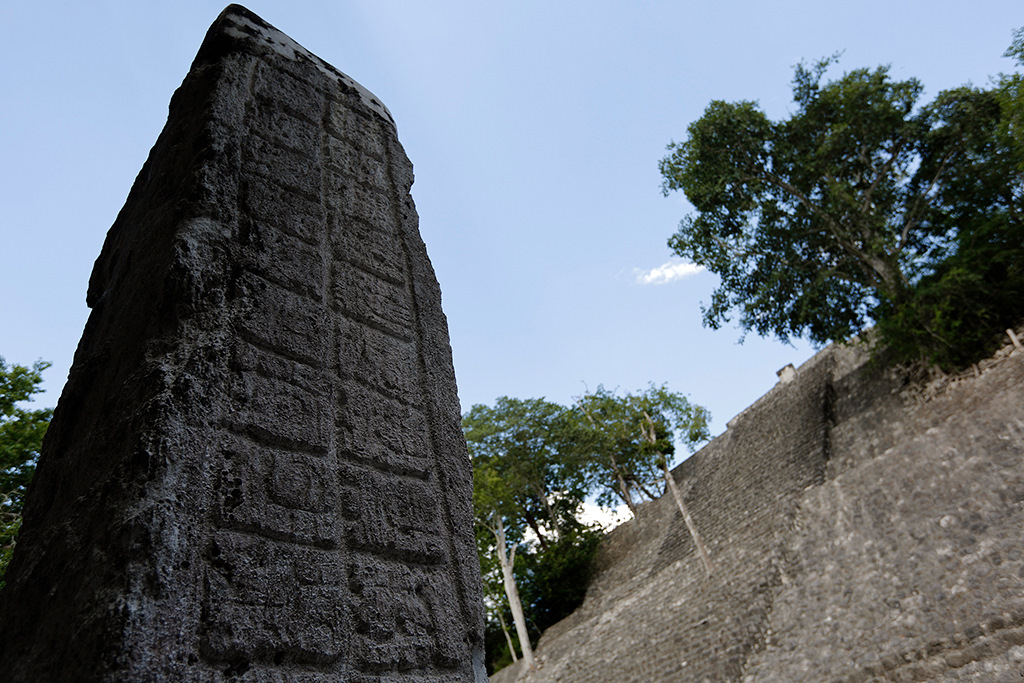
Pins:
x: 864, y: 206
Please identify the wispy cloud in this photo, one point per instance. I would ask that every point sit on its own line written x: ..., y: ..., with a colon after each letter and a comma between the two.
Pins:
x: 667, y: 272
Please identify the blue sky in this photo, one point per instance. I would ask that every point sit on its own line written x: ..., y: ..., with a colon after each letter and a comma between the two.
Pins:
x: 535, y: 129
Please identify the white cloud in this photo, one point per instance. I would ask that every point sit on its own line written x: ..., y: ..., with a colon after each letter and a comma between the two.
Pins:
x: 608, y: 518
x: 668, y: 272
x: 590, y: 513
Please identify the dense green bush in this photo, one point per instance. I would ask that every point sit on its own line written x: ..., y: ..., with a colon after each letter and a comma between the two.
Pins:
x: 957, y: 315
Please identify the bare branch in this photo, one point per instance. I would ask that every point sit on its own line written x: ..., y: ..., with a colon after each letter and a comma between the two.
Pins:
x: 881, y: 174
x: 911, y: 220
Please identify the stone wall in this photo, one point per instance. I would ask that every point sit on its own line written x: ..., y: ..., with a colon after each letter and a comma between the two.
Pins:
x: 862, y: 527
x: 256, y: 470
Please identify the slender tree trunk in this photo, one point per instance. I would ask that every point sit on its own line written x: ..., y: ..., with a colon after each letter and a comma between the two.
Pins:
x: 624, y: 487
x: 508, y: 638
x: 646, y: 492
x: 694, y: 534
x: 532, y: 521
x: 507, y: 558
x: 670, y: 484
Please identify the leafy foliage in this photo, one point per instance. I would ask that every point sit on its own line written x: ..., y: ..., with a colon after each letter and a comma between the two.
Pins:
x: 529, y: 484
x: 21, y: 435
x: 554, y: 581
x: 958, y: 310
x: 534, y: 464
x: 1011, y: 94
x: 863, y: 206
x: 624, y: 462
x: 956, y: 314
x: 523, y: 469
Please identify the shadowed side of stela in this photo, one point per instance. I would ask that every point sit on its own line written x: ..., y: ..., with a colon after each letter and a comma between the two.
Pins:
x: 256, y: 470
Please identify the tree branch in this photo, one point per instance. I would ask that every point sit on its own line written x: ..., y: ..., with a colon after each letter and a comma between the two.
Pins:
x: 886, y: 167
x: 624, y: 494
x: 877, y: 271
x: 911, y: 220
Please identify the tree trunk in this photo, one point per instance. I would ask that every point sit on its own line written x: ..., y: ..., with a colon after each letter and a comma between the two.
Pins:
x: 532, y: 521
x: 624, y: 493
x: 645, y: 491
x: 508, y: 638
x: 694, y: 534
x: 507, y: 559
x: 670, y: 484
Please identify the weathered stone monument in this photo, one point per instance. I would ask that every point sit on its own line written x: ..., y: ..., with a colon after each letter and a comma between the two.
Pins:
x: 256, y: 471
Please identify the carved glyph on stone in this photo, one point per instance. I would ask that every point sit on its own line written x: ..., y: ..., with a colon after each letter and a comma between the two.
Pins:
x: 256, y: 469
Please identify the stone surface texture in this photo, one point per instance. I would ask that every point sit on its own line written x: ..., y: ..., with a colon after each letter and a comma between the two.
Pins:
x: 256, y: 471
x: 862, y: 528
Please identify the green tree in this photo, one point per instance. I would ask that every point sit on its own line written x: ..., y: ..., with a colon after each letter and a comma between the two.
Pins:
x: 21, y: 435
x: 632, y: 441
x: 526, y: 478
x: 534, y: 464
x: 956, y: 312
x: 626, y: 465
x: 1011, y: 94
x: 836, y: 216
x: 554, y: 581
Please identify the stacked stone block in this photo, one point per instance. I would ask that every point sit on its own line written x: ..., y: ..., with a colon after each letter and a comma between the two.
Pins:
x: 862, y: 527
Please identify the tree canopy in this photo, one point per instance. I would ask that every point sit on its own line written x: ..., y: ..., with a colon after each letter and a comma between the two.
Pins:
x: 21, y: 436
x: 534, y: 464
x: 634, y: 439
x: 524, y: 468
x: 528, y: 486
x: 863, y: 206
x: 632, y: 436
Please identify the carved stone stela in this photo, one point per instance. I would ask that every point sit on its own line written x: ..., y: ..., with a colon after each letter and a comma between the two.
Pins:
x: 256, y: 471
